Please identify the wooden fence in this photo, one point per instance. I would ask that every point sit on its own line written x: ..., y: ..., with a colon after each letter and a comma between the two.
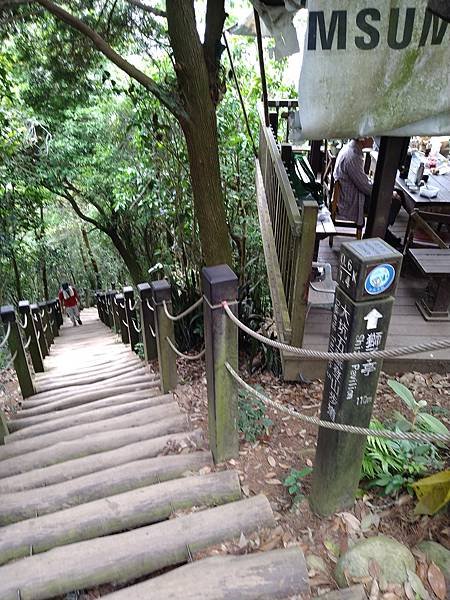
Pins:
x: 288, y: 231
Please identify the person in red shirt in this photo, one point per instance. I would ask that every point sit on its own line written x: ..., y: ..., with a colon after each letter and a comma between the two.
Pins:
x: 69, y: 300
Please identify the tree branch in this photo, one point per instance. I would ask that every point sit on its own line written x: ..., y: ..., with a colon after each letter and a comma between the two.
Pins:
x: 153, y: 11
x: 164, y: 97
x: 75, y: 207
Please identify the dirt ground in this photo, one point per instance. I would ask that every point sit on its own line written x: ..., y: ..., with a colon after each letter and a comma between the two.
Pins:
x: 264, y: 465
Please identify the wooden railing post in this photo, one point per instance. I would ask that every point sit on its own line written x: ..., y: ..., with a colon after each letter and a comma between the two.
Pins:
x: 130, y: 311
x: 16, y: 348
x: 3, y: 428
x: 147, y: 321
x: 164, y: 329
x: 53, y: 317
x: 122, y: 319
x: 36, y: 314
x: 30, y: 333
x: 115, y: 312
x: 106, y: 315
x: 59, y: 313
x: 219, y: 283
x: 46, y: 324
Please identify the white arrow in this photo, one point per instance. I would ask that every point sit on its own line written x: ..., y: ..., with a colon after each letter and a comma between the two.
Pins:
x: 372, y: 318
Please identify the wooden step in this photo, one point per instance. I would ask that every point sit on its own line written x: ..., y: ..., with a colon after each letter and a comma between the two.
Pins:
x: 136, y: 418
x: 67, y: 418
x: 96, y: 464
x: 270, y: 575
x: 64, y: 383
x: 126, y: 556
x: 117, y: 513
x: 95, y: 444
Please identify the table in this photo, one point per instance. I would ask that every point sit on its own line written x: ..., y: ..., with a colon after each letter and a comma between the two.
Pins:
x: 435, y: 263
x: 413, y: 200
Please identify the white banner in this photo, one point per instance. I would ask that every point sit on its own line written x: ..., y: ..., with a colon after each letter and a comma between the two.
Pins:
x: 374, y: 67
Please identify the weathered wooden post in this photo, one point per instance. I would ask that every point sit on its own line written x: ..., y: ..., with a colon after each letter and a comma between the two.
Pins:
x: 17, y: 351
x: 51, y: 308
x: 164, y: 329
x: 3, y: 428
x: 59, y: 313
x: 46, y: 324
x: 131, y: 319
x: 115, y: 312
x: 31, y: 334
x: 147, y: 321
x: 221, y: 343
x: 367, y: 279
x: 122, y: 318
x: 36, y: 314
x: 106, y: 315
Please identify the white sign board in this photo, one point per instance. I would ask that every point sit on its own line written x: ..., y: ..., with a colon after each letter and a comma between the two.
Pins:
x: 374, y: 67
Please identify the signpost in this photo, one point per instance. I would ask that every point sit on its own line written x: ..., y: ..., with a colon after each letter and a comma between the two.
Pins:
x: 367, y: 279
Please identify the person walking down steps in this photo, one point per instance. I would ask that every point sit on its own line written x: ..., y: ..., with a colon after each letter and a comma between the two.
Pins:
x: 69, y: 300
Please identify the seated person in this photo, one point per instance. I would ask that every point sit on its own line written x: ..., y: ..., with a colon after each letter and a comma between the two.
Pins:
x: 356, y: 187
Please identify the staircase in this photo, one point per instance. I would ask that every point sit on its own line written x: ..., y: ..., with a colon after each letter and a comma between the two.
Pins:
x: 103, y: 481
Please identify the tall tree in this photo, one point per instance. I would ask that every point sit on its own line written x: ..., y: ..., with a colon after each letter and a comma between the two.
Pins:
x: 191, y: 97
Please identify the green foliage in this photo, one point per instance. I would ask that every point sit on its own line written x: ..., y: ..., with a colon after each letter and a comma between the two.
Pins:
x: 294, y: 483
x: 393, y: 465
x: 139, y: 349
x: 252, y: 419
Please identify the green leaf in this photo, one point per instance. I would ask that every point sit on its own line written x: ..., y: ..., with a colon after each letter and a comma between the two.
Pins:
x: 430, y: 423
x: 404, y: 394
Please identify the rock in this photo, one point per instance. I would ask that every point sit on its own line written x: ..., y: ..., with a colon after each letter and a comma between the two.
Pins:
x: 391, y: 558
x: 439, y: 555
x: 316, y: 563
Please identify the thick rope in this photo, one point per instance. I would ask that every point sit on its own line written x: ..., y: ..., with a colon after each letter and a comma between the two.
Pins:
x: 45, y: 327
x: 152, y: 331
x: 24, y: 324
x: 149, y: 306
x: 138, y: 329
x: 5, y: 339
x: 132, y: 306
x: 8, y: 364
x: 383, y: 433
x: 184, y: 313
x: 186, y: 356
x: 338, y: 356
x: 25, y: 347
x: 125, y: 323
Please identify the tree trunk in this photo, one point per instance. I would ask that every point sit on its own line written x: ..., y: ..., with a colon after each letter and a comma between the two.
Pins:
x: 98, y: 281
x: 129, y: 257
x: 200, y: 131
x: 16, y: 276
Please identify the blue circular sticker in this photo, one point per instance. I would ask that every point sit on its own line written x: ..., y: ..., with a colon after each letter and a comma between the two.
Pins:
x: 379, y: 279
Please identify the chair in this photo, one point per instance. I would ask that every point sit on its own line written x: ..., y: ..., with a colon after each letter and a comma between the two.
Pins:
x: 321, y: 293
x: 421, y: 234
x: 342, y: 223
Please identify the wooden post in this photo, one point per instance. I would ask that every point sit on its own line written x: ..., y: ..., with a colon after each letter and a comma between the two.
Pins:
x: 122, y: 318
x: 115, y: 312
x: 31, y: 334
x: 367, y: 278
x: 261, y: 67
x: 16, y: 348
x: 51, y: 309
x: 59, y: 313
x: 46, y: 324
x: 164, y: 329
x: 147, y: 321
x: 130, y: 311
x: 389, y: 157
x: 219, y: 283
x: 36, y: 314
x: 3, y: 428
x: 316, y: 157
x: 106, y: 315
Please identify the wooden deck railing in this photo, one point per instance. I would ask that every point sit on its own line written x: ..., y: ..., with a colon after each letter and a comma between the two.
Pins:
x: 292, y: 226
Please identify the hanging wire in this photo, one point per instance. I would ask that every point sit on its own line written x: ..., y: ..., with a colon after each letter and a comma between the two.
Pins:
x: 5, y: 339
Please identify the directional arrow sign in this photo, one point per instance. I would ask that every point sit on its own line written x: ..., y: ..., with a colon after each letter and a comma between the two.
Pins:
x: 372, y: 318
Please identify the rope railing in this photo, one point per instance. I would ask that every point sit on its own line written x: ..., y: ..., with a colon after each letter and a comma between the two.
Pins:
x: 152, y: 331
x: 45, y: 327
x: 5, y: 339
x: 125, y: 323
x: 28, y: 342
x: 337, y: 356
x: 382, y: 433
x: 136, y: 328
x: 25, y: 322
x: 133, y: 306
x: 9, y: 363
x: 184, y: 313
x: 149, y: 306
x: 186, y: 356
